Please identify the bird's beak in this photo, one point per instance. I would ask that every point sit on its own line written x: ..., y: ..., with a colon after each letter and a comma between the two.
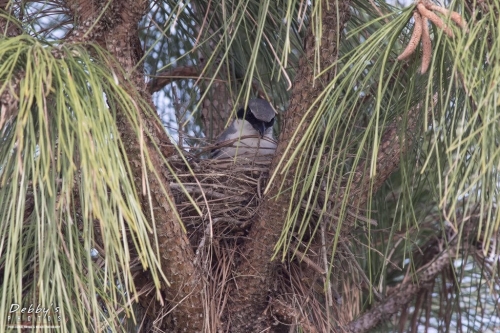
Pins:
x: 261, y: 128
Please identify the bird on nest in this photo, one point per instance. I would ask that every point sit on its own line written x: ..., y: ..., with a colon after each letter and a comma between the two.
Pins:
x: 250, y: 135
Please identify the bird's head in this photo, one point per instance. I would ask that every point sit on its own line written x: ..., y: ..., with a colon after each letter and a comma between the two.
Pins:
x: 259, y: 113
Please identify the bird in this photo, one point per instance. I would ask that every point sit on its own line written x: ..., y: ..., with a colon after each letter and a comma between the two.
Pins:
x: 250, y: 135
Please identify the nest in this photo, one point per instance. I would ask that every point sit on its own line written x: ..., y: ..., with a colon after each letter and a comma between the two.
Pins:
x: 226, y: 191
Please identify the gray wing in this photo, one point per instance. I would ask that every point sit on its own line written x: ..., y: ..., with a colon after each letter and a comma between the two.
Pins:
x: 228, y: 133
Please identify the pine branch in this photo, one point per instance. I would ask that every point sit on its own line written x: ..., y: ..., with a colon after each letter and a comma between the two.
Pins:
x: 403, y: 293
x: 439, y: 254
x: 170, y: 75
x: 392, y: 148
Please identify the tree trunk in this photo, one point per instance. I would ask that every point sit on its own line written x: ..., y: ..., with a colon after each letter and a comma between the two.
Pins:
x: 120, y: 37
x: 256, y: 273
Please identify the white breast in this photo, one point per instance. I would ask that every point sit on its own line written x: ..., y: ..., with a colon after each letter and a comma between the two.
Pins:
x: 246, y: 142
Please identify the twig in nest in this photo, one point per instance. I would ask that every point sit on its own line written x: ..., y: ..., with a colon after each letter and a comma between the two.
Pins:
x: 422, y: 15
x: 221, y: 189
x: 309, y: 262
x: 289, y: 315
